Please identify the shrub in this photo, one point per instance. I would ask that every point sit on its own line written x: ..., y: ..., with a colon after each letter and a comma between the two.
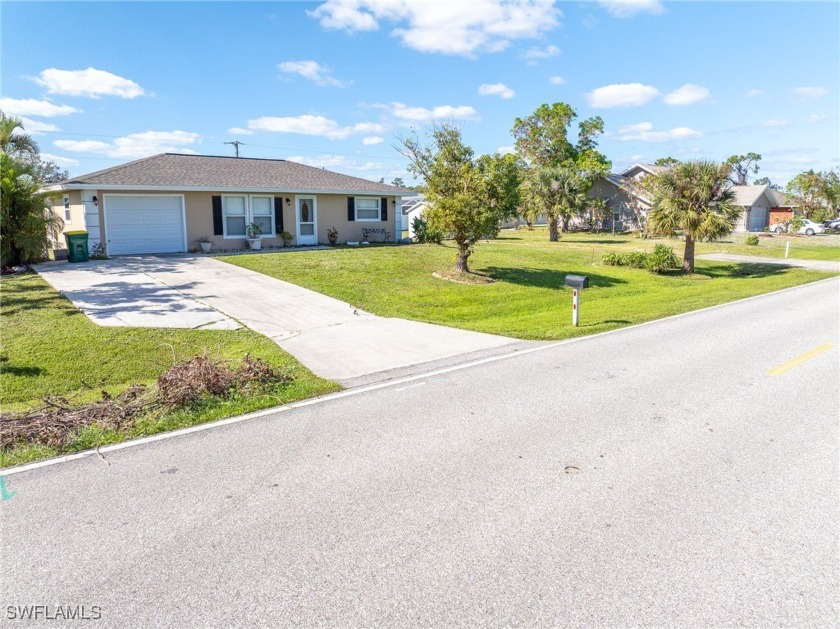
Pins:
x: 636, y: 259
x: 332, y: 235
x: 424, y: 233
x: 752, y: 239
x: 286, y: 237
x: 611, y: 259
x: 662, y: 259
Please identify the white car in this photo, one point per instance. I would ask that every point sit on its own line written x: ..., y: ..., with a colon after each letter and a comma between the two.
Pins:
x: 809, y: 228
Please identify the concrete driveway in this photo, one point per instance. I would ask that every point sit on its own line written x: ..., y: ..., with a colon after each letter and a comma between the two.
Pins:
x: 332, y: 338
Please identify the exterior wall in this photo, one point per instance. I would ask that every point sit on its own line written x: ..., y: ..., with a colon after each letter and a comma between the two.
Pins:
x: 331, y: 211
x: 618, y: 201
x: 780, y: 215
x: 76, y: 222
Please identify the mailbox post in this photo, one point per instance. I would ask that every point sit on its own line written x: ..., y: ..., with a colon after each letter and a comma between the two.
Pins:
x: 577, y: 283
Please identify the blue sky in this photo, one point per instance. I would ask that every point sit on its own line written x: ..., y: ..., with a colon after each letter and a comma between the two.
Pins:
x: 334, y: 83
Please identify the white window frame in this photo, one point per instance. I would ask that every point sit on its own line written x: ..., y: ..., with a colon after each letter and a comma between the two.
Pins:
x: 378, y: 219
x: 68, y: 214
x: 249, y: 215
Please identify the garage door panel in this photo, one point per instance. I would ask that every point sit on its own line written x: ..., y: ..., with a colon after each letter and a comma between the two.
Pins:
x: 144, y: 224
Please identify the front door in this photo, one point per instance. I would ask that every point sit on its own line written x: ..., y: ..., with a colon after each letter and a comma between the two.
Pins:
x: 307, y: 231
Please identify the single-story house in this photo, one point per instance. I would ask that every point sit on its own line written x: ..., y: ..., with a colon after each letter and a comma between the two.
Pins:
x: 166, y: 203
x: 761, y: 204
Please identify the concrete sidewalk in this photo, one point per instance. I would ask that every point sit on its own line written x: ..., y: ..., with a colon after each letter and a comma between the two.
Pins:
x: 331, y: 337
x: 816, y: 265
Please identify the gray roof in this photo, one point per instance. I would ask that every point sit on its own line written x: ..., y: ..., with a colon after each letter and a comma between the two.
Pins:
x: 173, y: 170
x: 747, y: 195
x: 781, y: 199
x: 651, y: 168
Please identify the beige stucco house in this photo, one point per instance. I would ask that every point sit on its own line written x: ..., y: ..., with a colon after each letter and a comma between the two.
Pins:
x: 166, y: 203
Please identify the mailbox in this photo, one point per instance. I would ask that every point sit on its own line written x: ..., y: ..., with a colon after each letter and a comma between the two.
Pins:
x: 577, y: 281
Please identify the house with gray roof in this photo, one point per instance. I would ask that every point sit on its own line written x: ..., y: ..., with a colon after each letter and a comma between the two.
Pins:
x: 166, y: 203
x: 760, y: 203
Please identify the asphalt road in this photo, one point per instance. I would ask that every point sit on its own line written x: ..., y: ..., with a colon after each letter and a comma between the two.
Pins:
x: 657, y: 476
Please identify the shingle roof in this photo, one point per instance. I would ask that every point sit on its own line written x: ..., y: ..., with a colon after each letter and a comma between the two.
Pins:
x: 747, y: 195
x: 206, y: 171
x: 781, y: 199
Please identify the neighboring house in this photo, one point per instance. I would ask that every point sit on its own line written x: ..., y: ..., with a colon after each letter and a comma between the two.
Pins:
x: 762, y: 206
x: 165, y: 203
x: 412, y: 207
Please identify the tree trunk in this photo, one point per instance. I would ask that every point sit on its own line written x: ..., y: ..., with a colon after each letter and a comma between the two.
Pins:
x: 564, y: 224
x: 552, y: 230
x: 688, y: 255
x: 461, y: 265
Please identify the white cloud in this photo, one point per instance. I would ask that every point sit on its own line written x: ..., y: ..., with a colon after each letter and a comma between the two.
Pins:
x: 688, y: 94
x: 644, y: 132
x: 777, y: 122
x: 308, y: 124
x: 754, y: 92
x: 91, y: 82
x: 815, y: 118
x: 36, y: 127
x: 135, y: 144
x: 807, y: 94
x: 533, y: 55
x: 339, y: 162
x: 622, y: 95
x: 629, y: 8
x: 239, y: 131
x: 556, y: 80
x: 421, y: 114
x: 496, y: 89
x: 33, y: 107
x: 505, y: 150
x: 372, y: 139
x: 64, y: 162
x: 313, y: 71
x: 450, y: 28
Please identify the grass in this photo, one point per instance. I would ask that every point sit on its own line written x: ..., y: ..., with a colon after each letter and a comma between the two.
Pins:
x: 528, y: 299
x: 50, y: 348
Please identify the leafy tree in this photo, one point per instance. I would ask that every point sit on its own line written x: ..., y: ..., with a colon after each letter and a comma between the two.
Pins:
x: 765, y: 181
x: 598, y: 213
x: 398, y: 181
x: 503, y: 176
x: 542, y: 139
x: 463, y: 195
x: 24, y: 218
x: 817, y: 193
x: 742, y: 166
x: 695, y: 198
x: 49, y: 172
x: 667, y: 161
x: 14, y: 140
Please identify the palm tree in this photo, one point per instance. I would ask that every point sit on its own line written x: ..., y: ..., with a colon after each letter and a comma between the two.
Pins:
x: 555, y: 192
x: 12, y: 141
x: 695, y: 198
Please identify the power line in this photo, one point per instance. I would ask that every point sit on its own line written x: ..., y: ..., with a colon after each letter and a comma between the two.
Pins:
x: 236, y: 144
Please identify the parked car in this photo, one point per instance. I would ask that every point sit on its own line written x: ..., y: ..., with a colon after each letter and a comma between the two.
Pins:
x: 832, y: 223
x: 809, y: 228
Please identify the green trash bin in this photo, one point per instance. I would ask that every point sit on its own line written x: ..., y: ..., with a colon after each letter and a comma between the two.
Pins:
x: 77, y: 246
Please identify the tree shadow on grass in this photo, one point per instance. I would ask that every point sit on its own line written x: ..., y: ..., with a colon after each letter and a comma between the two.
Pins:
x: 741, y: 270
x: 545, y: 278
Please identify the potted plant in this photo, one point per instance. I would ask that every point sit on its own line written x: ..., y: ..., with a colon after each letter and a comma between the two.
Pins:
x: 287, y: 238
x: 252, y: 235
x: 332, y: 235
x: 206, y: 244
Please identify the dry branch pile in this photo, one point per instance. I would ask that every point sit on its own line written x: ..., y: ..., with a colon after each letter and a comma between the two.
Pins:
x: 55, y: 422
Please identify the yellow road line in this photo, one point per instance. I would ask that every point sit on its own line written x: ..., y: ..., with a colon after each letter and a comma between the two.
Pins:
x: 776, y: 371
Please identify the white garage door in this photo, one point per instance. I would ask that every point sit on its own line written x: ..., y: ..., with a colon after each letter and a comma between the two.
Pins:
x: 144, y: 224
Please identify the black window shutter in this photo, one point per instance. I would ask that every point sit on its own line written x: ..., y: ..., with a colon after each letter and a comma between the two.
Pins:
x: 351, y: 208
x: 278, y: 214
x: 384, y: 208
x: 218, y: 227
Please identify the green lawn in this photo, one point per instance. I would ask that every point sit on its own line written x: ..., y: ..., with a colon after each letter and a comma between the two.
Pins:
x: 527, y: 300
x: 50, y: 348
